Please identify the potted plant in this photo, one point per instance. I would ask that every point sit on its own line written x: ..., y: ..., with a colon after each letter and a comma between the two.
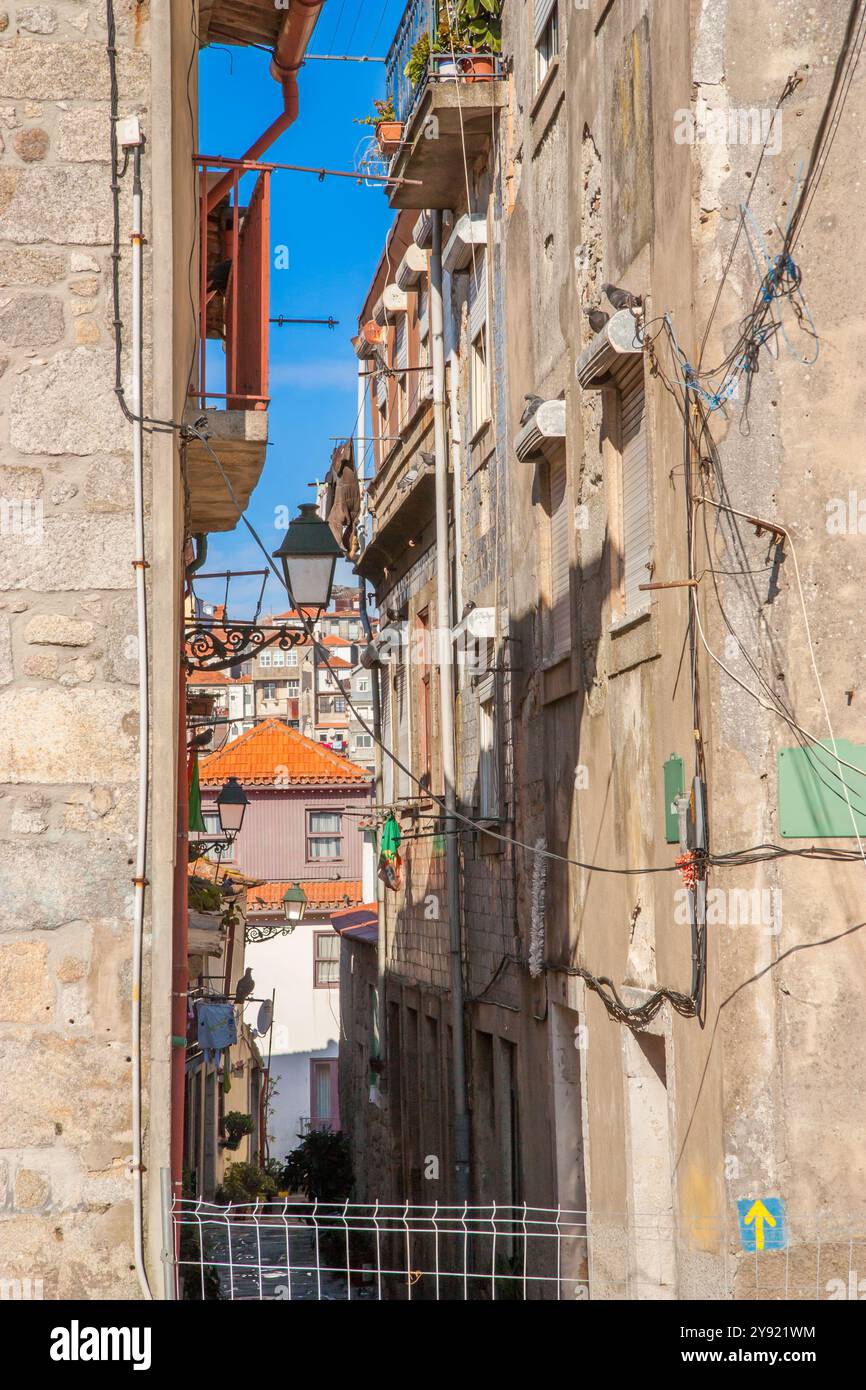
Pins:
x: 419, y: 59
x: 236, y: 1126
x: 480, y: 25
x: 389, y: 131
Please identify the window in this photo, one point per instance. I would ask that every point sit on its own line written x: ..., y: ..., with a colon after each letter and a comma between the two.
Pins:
x: 324, y: 835
x: 225, y: 852
x: 479, y: 385
x: 362, y: 685
x: 326, y: 959
x: 634, y: 490
x: 334, y: 629
x: 292, y: 657
x: 339, y: 705
x: 557, y: 638
x: 269, y: 690
x: 488, y: 749
x: 264, y: 658
x: 546, y: 37
x: 293, y: 689
x: 279, y: 657
x: 363, y: 741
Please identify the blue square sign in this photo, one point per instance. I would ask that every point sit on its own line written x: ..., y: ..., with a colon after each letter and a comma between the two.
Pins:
x: 762, y: 1223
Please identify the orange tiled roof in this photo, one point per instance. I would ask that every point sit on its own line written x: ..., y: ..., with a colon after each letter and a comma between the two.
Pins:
x: 255, y: 757
x: 321, y: 894
x: 216, y: 678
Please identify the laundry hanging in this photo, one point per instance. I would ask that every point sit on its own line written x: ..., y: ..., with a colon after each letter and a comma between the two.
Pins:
x: 217, y: 1028
x: 390, y: 859
x: 196, y: 820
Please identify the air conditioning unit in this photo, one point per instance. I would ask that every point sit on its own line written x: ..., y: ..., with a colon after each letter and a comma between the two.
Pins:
x: 470, y: 231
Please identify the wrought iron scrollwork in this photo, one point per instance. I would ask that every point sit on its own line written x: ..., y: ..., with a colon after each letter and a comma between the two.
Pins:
x: 217, y: 645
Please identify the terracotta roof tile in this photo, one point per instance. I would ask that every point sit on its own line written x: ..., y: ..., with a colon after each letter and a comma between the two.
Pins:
x: 321, y: 894
x: 255, y: 757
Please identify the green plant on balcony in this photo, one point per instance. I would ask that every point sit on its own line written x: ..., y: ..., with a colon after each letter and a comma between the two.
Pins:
x: 479, y: 22
x: 419, y: 57
x: 383, y: 111
x: 236, y: 1126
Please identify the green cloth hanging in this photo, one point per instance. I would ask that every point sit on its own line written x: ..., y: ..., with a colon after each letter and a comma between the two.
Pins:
x: 196, y: 820
x: 391, y: 837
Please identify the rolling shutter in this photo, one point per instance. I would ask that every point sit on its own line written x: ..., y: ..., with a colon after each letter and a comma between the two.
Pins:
x: 636, y: 524
x: 477, y: 294
x: 387, y: 765
x: 543, y: 11
x: 401, y: 344
x: 560, y: 589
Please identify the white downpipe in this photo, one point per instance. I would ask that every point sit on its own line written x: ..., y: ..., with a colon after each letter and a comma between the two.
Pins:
x: 139, y: 564
x: 457, y: 470
x: 444, y: 620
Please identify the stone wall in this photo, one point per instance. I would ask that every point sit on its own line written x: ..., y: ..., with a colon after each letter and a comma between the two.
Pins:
x: 68, y: 671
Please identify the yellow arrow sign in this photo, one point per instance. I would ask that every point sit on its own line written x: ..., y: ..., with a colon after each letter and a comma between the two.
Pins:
x: 758, y: 1214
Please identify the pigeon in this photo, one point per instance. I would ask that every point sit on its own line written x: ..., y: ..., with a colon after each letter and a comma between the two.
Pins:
x: 597, y: 319
x: 622, y: 299
x: 532, y: 404
x: 246, y: 985
x: 200, y: 740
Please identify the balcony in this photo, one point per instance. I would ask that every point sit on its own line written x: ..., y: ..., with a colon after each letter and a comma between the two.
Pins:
x: 231, y: 387
x: 445, y: 116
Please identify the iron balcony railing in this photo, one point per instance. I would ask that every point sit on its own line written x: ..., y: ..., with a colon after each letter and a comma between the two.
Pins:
x: 420, y: 17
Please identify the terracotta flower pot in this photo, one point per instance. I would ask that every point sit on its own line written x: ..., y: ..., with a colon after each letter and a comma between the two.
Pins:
x: 477, y: 67
x: 389, y: 134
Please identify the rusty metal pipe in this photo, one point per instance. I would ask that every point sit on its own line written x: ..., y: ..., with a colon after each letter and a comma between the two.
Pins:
x: 291, y: 46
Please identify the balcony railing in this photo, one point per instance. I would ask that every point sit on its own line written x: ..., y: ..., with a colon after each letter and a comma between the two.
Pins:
x: 237, y: 310
x: 420, y: 17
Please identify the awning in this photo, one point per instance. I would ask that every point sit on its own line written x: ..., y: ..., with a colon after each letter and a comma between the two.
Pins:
x: 358, y: 923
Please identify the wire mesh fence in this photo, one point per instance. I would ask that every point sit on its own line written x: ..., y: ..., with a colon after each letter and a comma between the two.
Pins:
x: 295, y: 1250
x: 315, y: 1251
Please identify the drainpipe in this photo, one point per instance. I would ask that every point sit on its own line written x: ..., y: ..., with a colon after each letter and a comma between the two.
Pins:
x: 288, y: 58
x: 446, y: 713
x: 140, y: 566
x: 457, y: 470
x: 180, y: 954
x: 381, y: 939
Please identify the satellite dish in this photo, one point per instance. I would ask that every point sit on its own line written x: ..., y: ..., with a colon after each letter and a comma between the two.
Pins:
x: 265, y: 1018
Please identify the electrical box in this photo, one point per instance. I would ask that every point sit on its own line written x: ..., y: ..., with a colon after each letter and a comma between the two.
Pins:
x: 674, y: 786
x: 812, y: 800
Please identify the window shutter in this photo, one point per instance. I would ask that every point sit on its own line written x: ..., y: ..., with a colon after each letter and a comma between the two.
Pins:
x: 636, y: 527
x: 401, y: 344
x: 381, y: 390
x: 477, y: 294
x: 543, y: 11
x: 560, y: 590
x: 423, y: 319
x: 401, y: 700
x: 387, y: 765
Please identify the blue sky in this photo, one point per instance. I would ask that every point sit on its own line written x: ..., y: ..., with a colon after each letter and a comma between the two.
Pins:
x: 334, y: 232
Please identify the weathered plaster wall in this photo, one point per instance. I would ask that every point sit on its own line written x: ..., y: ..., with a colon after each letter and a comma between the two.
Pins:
x: 68, y: 671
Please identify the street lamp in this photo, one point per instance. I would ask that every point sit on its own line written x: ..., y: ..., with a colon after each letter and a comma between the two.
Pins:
x: 309, y: 556
x: 232, y: 803
x: 294, y: 903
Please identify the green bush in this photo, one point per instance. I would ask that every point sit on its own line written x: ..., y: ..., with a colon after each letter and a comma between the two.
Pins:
x: 236, y: 1125
x: 321, y: 1167
x: 245, y: 1182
